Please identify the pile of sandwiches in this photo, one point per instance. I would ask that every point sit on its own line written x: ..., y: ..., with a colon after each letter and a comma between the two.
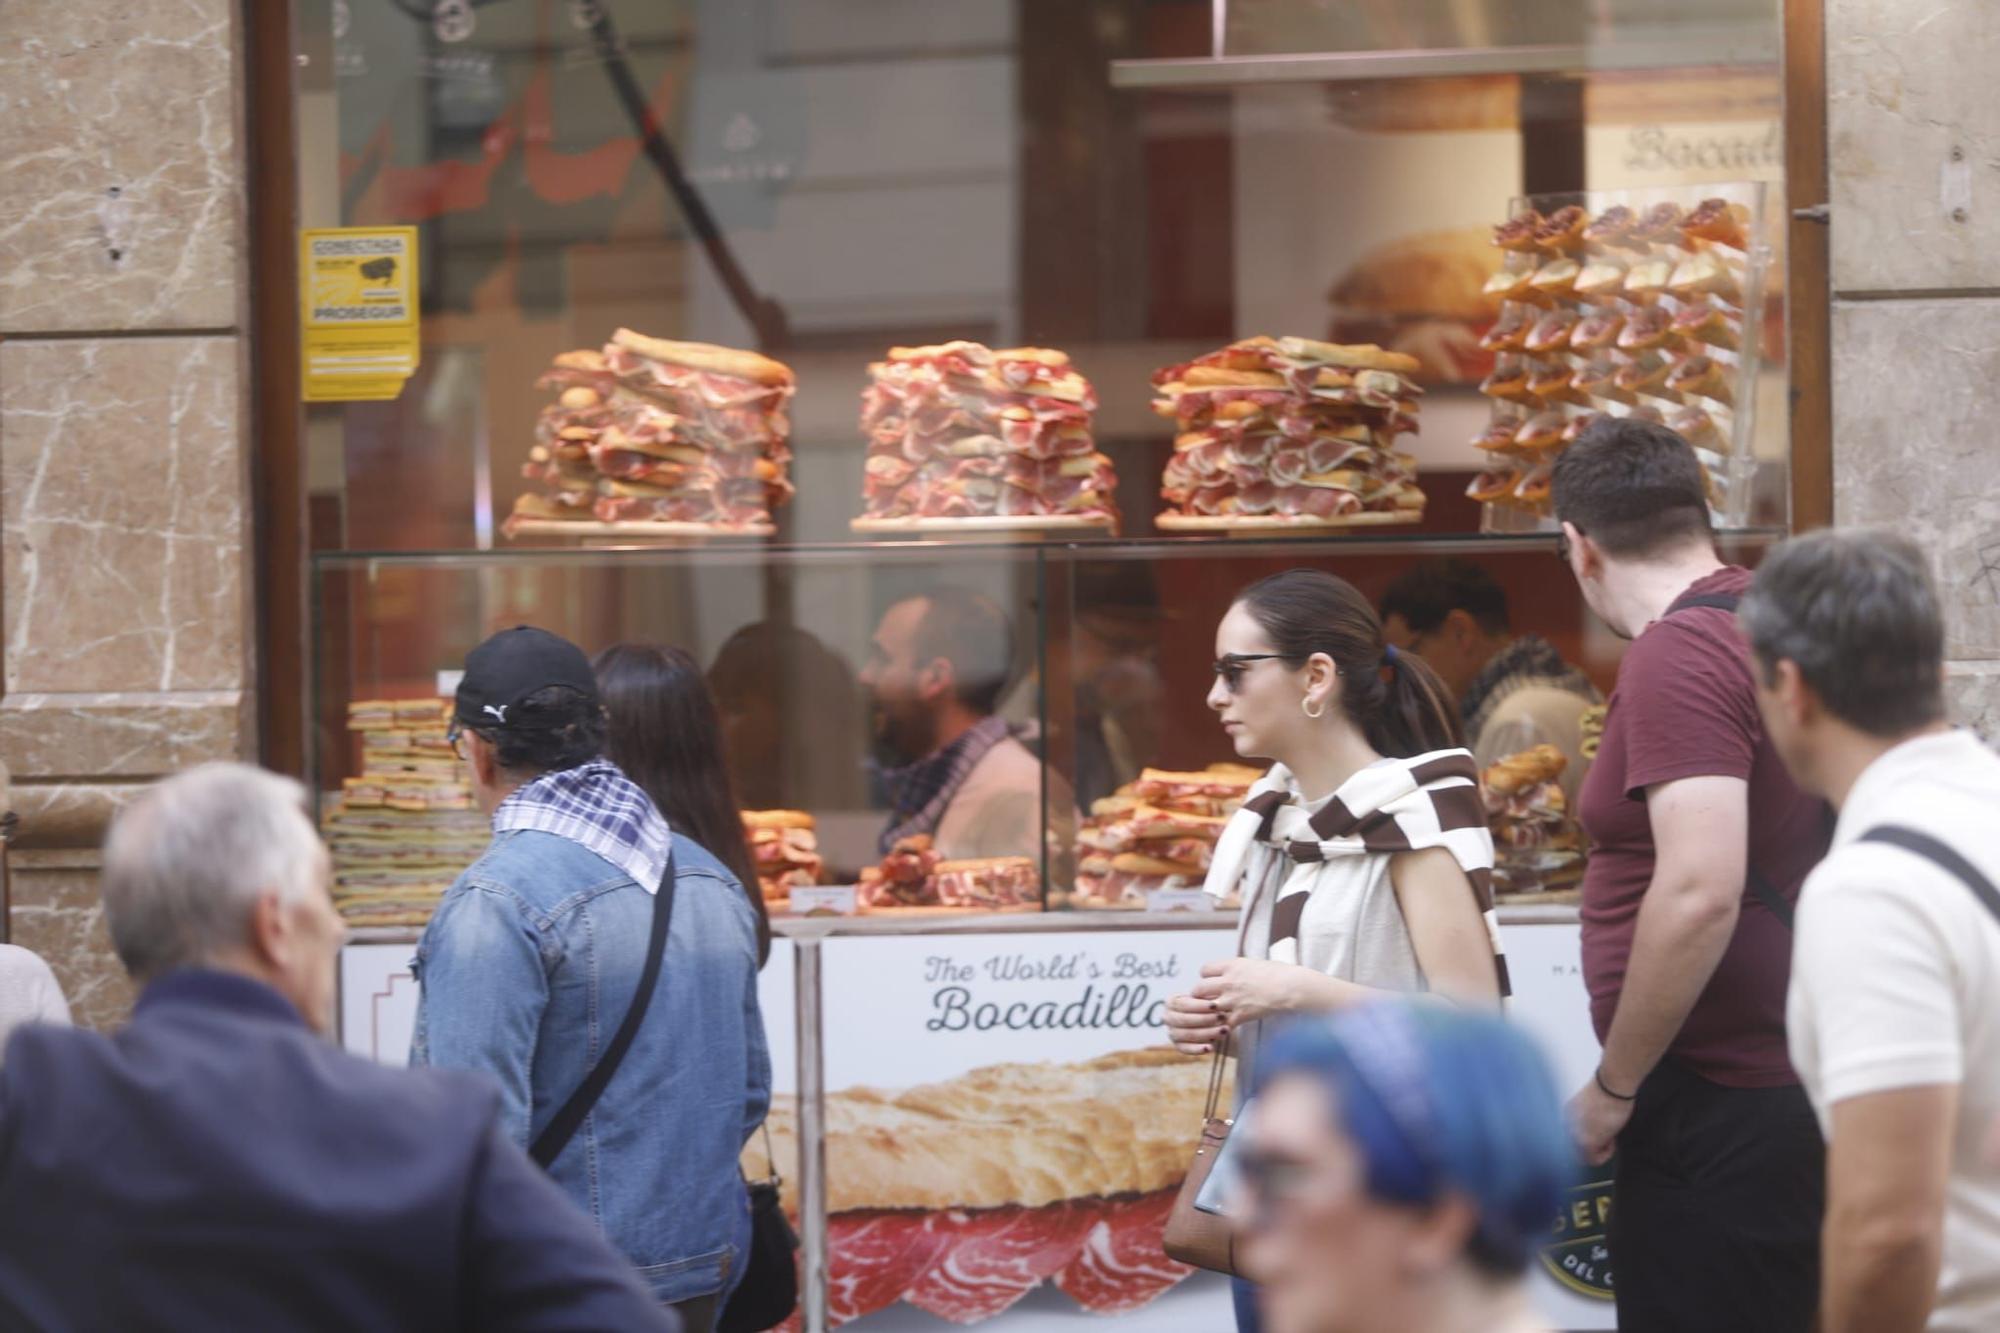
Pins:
x: 1537, y: 844
x: 1634, y: 313
x: 962, y: 431
x: 402, y: 830
x: 785, y: 848
x: 1158, y: 832
x: 648, y: 430
x: 912, y: 874
x: 1289, y: 430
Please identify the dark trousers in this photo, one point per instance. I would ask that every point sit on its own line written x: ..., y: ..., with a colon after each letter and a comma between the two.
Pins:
x: 1716, y: 1207
x: 1245, y: 1296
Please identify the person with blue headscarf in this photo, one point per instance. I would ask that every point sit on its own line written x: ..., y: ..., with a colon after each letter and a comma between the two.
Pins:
x: 1402, y: 1164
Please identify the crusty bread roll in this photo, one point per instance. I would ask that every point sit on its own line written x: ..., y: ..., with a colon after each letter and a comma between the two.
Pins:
x: 1136, y: 863
x: 1544, y: 763
x: 1352, y: 356
x: 777, y: 819
x: 1439, y: 274
x: 1020, y: 1134
x: 531, y: 505
x: 1041, y: 356
x: 585, y: 359
x: 707, y: 356
x: 1222, y: 377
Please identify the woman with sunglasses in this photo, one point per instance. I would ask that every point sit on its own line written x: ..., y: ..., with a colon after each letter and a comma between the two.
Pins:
x: 1399, y: 1171
x: 1362, y: 858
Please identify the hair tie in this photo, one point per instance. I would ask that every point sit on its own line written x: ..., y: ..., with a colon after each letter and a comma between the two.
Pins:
x: 1389, y: 655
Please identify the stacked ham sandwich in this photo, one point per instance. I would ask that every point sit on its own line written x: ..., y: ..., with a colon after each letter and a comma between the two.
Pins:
x: 913, y: 875
x: 402, y: 830
x: 1156, y: 833
x: 1537, y: 843
x: 785, y: 847
x: 961, y: 431
x: 1289, y: 429
x: 667, y: 432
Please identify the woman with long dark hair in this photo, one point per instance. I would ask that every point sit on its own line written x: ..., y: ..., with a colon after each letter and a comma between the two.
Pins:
x: 1362, y: 857
x: 666, y: 736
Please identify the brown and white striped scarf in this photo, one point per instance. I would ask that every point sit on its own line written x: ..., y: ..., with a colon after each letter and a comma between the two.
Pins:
x: 1399, y: 805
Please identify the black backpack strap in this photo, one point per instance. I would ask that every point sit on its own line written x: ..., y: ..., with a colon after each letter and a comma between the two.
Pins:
x: 1941, y: 855
x: 555, y: 1136
x: 1766, y: 892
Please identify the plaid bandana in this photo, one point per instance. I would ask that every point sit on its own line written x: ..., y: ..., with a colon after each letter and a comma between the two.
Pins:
x: 919, y: 793
x: 597, y: 807
x: 1528, y: 660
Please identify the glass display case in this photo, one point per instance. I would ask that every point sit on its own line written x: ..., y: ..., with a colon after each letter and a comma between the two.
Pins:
x: 1088, y: 661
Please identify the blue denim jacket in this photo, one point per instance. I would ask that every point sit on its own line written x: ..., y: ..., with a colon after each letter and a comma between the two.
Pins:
x: 526, y: 972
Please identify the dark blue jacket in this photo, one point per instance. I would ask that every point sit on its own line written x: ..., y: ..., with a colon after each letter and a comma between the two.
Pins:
x: 218, y: 1166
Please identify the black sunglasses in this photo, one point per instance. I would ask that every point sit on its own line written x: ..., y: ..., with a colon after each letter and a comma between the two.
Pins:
x: 1230, y: 666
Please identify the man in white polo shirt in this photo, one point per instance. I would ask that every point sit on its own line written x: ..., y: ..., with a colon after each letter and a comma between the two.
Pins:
x: 1894, y: 1009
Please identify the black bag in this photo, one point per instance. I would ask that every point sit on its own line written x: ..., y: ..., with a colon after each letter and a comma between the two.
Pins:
x: 769, y: 1291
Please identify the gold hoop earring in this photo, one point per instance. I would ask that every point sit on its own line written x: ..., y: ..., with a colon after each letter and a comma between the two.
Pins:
x: 1305, y: 706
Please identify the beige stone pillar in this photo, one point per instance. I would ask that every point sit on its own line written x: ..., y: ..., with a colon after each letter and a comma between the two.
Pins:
x: 123, y: 473
x: 1913, y: 141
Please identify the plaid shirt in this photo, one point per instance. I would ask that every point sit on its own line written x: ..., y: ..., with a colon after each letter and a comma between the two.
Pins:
x: 598, y: 807
x: 921, y: 792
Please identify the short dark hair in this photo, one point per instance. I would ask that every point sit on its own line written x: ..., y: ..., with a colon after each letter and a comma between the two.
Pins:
x: 1633, y: 487
x: 1425, y: 595
x: 1858, y: 613
x: 553, y: 729
x: 969, y: 630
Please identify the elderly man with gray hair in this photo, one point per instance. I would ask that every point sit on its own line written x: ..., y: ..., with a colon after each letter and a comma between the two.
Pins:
x: 1894, y: 1010
x: 219, y: 1164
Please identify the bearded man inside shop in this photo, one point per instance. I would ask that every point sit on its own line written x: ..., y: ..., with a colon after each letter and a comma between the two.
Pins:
x: 937, y: 665
x: 218, y: 1164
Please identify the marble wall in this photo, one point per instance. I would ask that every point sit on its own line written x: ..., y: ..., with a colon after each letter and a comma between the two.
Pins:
x: 1913, y: 151
x: 124, y: 522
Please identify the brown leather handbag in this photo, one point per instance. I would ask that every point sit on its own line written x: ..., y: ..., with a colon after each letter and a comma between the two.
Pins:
x: 1204, y: 1239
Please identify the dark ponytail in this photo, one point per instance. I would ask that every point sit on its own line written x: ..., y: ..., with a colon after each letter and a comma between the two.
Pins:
x: 1396, y: 699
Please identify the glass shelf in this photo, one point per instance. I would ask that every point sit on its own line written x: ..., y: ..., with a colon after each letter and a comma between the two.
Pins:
x: 929, y: 548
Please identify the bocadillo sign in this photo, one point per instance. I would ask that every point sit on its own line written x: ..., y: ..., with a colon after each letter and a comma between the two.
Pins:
x: 1007, y: 1127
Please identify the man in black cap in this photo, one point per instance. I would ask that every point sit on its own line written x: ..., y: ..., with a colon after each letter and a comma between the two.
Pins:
x: 536, y: 955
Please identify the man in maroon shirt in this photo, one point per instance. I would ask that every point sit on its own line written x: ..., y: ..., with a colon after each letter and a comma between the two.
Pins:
x: 1699, y: 842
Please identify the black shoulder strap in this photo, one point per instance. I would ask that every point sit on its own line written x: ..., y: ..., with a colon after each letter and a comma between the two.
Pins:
x: 1924, y: 845
x: 1767, y: 893
x: 555, y: 1136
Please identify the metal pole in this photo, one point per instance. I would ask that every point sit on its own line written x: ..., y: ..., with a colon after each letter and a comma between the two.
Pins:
x: 812, y: 1139
x: 8, y: 823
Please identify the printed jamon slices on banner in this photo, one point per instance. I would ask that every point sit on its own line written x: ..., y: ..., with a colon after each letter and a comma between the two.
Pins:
x: 1157, y: 832
x: 962, y: 431
x: 961, y: 1197
x: 1289, y: 429
x: 651, y: 430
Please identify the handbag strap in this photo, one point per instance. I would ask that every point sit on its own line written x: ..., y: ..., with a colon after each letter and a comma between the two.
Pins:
x: 555, y: 1136
x: 1215, y: 1073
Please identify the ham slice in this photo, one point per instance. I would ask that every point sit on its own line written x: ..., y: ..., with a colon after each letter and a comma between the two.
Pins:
x: 998, y: 1257
x: 876, y: 1257
x: 1121, y: 1264
x: 968, y: 1265
x: 1257, y: 498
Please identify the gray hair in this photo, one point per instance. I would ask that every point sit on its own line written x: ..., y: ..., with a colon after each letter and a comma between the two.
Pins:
x: 1859, y: 615
x: 185, y: 864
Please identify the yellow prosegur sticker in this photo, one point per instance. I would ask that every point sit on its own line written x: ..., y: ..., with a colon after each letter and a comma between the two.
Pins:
x: 358, y: 306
